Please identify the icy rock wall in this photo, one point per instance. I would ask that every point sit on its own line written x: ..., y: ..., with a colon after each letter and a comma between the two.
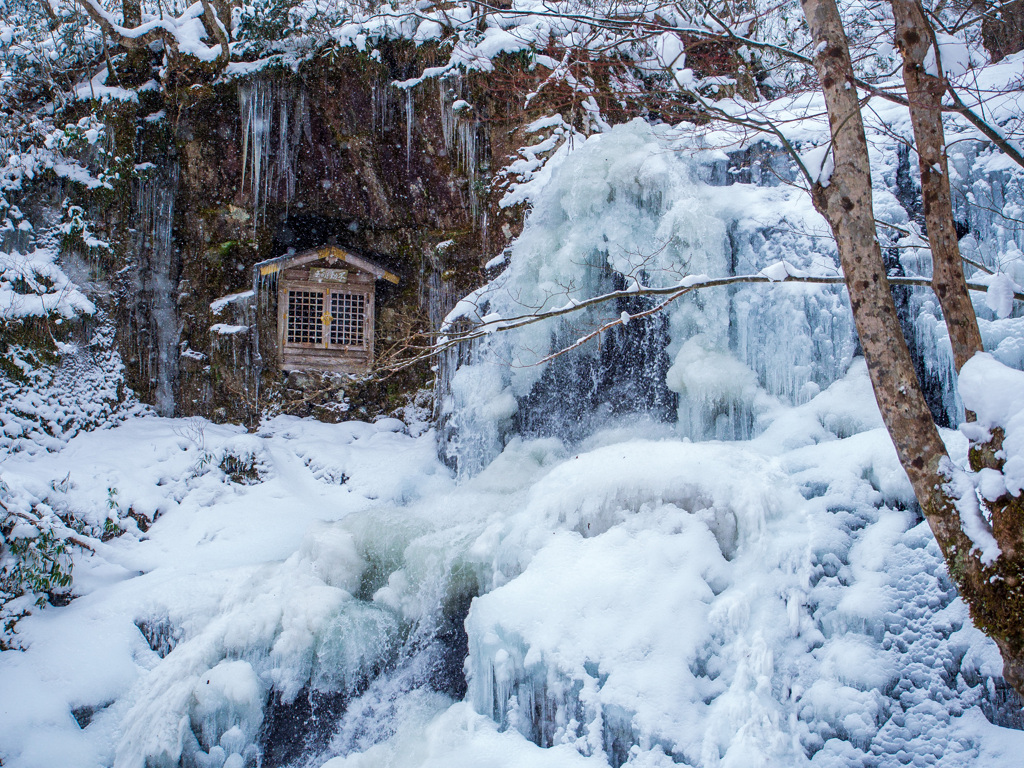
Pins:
x: 277, y: 158
x: 333, y: 153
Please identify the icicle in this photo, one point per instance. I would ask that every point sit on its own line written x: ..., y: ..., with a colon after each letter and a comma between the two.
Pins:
x: 381, y: 102
x: 460, y: 134
x: 467, y: 150
x: 254, y: 101
x: 284, y: 166
x: 409, y: 115
x: 269, y: 178
x: 449, y: 119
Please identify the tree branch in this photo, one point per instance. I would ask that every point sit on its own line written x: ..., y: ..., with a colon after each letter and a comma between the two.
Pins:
x: 66, y: 533
x: 651, y: 27
x: 122, y: 35
x: 449, y: 338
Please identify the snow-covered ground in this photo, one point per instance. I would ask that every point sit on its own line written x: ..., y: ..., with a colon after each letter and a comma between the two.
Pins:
x: 640, y: 598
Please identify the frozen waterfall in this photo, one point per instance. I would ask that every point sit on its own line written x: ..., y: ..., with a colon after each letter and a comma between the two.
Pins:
x: 626, y: 209
x: 156, y: 270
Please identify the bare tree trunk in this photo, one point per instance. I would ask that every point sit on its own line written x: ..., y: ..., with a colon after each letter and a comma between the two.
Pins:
x: 131, y: 12
x: 915, y: 37
x: 995, y: 593
x: 846, y: 203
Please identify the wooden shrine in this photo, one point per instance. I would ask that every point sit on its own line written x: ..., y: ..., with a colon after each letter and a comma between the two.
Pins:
x: 325, y: 309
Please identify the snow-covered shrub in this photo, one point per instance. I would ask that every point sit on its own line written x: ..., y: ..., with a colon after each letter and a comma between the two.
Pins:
x: 32, y: 285
x: 35, y: 563
x: 268, y: 20
x: 40, y: 531
x: 245, y: 461
x: 48, y: 395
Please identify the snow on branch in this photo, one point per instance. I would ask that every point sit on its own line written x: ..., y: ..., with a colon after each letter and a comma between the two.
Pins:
x: 183, y: 34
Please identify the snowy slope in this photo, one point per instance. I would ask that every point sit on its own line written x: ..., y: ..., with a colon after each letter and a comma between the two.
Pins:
x: 769, y: 602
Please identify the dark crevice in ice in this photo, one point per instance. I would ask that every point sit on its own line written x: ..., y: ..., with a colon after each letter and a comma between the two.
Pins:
x: 578, y: 393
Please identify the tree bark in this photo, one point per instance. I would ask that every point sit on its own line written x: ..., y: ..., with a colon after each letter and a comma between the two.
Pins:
x: 96, y: 13
x: 131, y: 13
x: 915, y: 38
x: 995, y: 592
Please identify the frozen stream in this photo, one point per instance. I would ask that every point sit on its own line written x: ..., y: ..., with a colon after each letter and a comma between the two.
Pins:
x: 640, y: 599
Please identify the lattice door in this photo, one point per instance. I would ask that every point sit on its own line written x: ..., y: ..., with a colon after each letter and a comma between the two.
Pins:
x: 348, y: 319
x: 305, y: 317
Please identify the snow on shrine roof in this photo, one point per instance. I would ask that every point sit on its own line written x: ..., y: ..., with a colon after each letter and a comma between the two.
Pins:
x: 329, y: 252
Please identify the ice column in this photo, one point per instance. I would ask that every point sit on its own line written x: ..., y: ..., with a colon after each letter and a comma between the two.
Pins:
x: 158, y: 265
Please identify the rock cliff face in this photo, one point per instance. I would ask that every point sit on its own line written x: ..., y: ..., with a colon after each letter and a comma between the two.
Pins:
x: 231, y: 174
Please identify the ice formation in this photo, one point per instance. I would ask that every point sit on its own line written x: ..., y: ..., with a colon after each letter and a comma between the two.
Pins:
x: 628, y: 208
x: 460, y: 129
x: 622, y: 601
x: 275, y: 118
x: 156, y: 271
